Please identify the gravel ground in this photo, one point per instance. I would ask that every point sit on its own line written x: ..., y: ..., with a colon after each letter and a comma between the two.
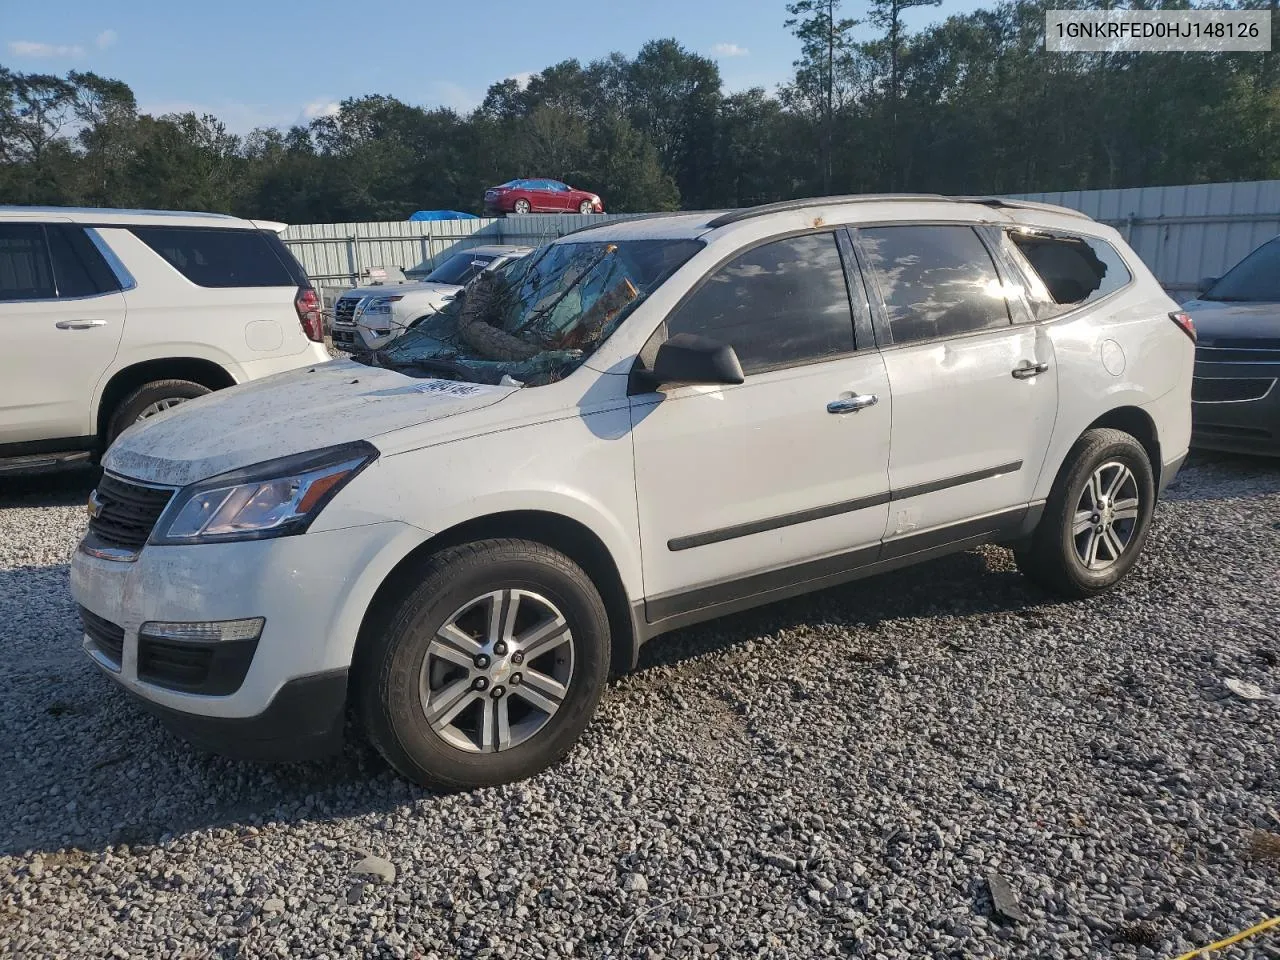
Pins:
x: 836, y: 775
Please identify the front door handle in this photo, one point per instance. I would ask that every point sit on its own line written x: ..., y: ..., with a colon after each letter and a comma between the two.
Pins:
x: 1029, y: 370
x: 79, y: 324
x: 853, y: 404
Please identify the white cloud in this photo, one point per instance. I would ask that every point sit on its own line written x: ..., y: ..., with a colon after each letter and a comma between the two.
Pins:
x: 522, y: 78
x: 446, y: 93
x: 30, y: 48
x: 729, y: 50
x: 107, y: 38
x: 322, y: 107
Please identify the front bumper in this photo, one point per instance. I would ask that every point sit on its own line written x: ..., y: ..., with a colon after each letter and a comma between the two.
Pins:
x: 353, y: 337
x: 1247, y: 418
x: 312, y: 590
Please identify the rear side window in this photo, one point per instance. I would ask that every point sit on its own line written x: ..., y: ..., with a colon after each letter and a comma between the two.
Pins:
x: 78, y: 268
x: 778, y: 305
x: 219, y: 258
x: 935, y: 281
x: 25, y: 273
x: 1074, y: 270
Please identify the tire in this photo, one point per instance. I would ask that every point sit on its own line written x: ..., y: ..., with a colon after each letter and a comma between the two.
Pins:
x: 413, y: 663
x: 522, y: 206
x: 1056, y: 556
x: 140, y: 403
x: 584, y: 207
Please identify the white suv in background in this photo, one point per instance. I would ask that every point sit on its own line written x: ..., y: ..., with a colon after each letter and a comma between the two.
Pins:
x: 644, y: 425
x: 367, y: 318
x: 110, y: 316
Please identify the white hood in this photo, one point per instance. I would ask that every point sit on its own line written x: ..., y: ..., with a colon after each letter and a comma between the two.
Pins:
x: 289, y: 413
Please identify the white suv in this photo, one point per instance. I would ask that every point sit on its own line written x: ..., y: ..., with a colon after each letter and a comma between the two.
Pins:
x: 110, y: 316
x: 644, y: 425
x: 368, y: 318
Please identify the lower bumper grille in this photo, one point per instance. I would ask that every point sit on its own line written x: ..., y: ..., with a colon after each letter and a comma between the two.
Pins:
x: 1230, y: 390
x: 106, y: 637
x: 212, y: 669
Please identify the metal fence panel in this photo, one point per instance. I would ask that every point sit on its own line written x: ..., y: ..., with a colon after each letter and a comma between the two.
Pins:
x: 1182, y: 233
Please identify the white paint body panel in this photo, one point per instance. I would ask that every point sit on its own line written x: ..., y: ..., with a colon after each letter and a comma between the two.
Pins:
x: 639, y: 471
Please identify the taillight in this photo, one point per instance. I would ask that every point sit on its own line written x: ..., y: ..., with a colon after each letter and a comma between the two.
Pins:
x: 308, y: 306
x: 1185, y: 323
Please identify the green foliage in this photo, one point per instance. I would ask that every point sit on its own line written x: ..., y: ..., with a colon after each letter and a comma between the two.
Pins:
x: 971, y: 104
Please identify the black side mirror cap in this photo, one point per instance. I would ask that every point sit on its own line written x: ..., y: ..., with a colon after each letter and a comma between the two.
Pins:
x: 689, y: 359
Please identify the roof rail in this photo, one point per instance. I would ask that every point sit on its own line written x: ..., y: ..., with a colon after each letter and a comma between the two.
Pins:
x: 746, y: 213
x: 1024, y: 205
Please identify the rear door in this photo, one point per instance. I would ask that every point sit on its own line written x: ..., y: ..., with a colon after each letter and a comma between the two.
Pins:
x: 62, y: 316
x: 756, y: 487
x: 975, y: 393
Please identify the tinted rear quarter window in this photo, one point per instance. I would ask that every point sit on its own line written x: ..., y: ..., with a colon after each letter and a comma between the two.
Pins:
x: 24, y: 263
x: 1074, y: 270
x: 781, y: 304
x: 935, y: 281
x: 219, y: 257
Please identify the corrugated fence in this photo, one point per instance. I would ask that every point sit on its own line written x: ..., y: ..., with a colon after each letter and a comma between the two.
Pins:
x: 1182, y: 233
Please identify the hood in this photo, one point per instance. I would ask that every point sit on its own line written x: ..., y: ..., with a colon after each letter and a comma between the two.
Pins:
x: 400, y: 289
x: 1234, y: 321
x: 288, y: 413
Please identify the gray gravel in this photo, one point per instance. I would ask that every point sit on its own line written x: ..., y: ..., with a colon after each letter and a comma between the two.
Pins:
x: 848, y: 774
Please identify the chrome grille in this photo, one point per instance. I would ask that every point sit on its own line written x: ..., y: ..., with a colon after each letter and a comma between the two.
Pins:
x: 344, y: 311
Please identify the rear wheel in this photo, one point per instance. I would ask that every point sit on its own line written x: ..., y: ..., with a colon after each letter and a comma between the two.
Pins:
x: 151, y: 399
x: 522, y: 206
x: 1096, y: 519
x: 489, y: 669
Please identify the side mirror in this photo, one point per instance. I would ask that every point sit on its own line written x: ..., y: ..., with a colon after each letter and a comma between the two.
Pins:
x: 1205, y: 283
x: 688, y: 359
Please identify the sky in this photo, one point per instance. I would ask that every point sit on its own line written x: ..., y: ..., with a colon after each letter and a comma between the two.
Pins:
x: 279, y: 62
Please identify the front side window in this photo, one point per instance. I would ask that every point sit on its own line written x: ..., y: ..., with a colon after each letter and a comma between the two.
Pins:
x: 935, y: 281
x: 534, y: 320
x: 459, y: 268
x: 25, y: 273
x: 211, y: 257
x: 1255, y: 279
x: 1071, y: 270
x: 778, y: 305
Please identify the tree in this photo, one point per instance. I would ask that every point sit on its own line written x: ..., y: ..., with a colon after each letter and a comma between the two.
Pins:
x: 826, y: 45
x: 887, y: 15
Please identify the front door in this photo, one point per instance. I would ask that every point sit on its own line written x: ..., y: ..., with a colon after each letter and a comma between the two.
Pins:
x: 974, y: 394
x: 62, y: 316
x: 748, y: 488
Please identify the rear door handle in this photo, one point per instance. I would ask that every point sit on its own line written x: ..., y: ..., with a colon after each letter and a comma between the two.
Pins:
x: 79, y: 324
x: 853, y: 404
x: 1029, y: 370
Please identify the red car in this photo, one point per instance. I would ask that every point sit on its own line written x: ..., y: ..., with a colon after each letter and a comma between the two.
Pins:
x: 540, y: 196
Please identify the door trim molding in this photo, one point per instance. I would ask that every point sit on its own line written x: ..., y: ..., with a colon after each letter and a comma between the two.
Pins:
x: 720, y: 534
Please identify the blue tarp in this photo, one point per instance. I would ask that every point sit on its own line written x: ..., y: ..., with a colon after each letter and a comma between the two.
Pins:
x: 443, y: 215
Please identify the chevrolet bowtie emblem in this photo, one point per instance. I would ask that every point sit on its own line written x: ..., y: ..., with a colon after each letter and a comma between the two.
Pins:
x: 94, y: 506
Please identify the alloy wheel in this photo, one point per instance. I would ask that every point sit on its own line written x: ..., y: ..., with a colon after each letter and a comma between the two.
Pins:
x: 1106, y: 516
x: 497, y: 671
x: 160, y: 406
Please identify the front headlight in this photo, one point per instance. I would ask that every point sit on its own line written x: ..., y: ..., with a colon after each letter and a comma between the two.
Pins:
x: 277, y: 498
x: 379, y: 307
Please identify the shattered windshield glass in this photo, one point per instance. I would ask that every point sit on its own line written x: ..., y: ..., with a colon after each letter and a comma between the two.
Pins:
x: 533, y: 321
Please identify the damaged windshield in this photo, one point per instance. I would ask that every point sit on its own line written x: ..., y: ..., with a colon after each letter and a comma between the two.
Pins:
x: 534, y: 321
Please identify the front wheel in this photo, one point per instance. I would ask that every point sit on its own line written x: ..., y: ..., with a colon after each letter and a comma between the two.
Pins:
x: 489, y: 669
x: 584, y: 207
x: 1096, y: 519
